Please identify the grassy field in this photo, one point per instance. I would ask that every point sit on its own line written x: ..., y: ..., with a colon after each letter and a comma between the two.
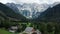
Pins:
x: 2, y: 31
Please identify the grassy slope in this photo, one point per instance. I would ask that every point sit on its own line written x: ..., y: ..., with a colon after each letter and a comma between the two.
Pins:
x: 4, y: 32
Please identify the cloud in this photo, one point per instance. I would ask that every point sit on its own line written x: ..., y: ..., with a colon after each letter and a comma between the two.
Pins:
x: 30, y: 1
x: 49, y: 1
x: 6, y: 1
x: 36, y: 1
x: 27, y: 1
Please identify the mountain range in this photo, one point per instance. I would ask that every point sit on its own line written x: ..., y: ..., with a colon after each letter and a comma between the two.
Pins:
x: 23, y: 11
x: 28, y: 10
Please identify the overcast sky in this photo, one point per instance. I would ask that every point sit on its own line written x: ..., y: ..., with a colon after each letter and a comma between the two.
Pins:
x: 30, y: 1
